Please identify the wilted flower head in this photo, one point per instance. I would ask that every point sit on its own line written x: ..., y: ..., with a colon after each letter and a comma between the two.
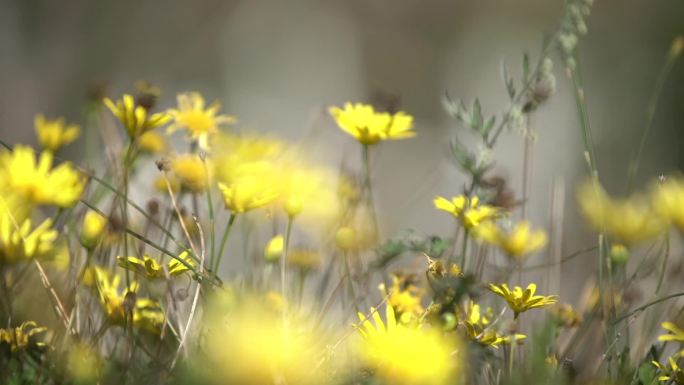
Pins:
x: 199, y: 122
x: 369, y: 126
x: 54, y: 134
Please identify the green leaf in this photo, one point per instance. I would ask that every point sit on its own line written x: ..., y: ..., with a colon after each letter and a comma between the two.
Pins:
x: 647, y: 374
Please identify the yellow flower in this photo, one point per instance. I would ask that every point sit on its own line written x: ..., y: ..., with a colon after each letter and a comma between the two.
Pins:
x: 468, y: 210
x: 475, y: 325
x: 20, y: 242
x: 520, y: 301
x: 304, y: 259
x: 19, y: 338
x: 671, y: 374
x: 518, y: 242
x: 405, y: 298
x: 402, y: 354
x: 675, y: 333
x: 135, y: 118
x: 198, y: 121
x: 369, y: 127
x: 668, y: 200
x: 346, y: 238
x: 151, y: 269
x: 191, y: 172
x: 39, y: 183
x: 272, y: 347
x: 152, y: 142
x: 146, y: 314
x: 274, y: 248
x: 247, y: 155
x: 159, y: 184
x: 307, y: 189
x: 247, y: 193
x: 92, y: 228
x: 54, y: 134
x: 567, y: 316
x: 627, y: 221
x: 83, y: 363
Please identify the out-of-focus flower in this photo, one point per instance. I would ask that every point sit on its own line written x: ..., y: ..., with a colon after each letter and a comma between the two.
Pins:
x: 145, y: 313
x: 247, y: 193
x: 308, y: 189
x: 475, y: 325
x: 566, y: 315
x: 54, y: 134
x: 675, y: 333
x: 20, y: 242
x: 135, y: 118
x: 668, y: 200
x: 34, y: 181
x: 248, y: 155
x: 671, y: 373
x: 152, y: 142
x: 677, y: 46
x: 405, y: 298
x: 628, y: 221
x: 92, y: 228
x: 83, y: 363
x: 199, y: 122
x: 368, y: 126
x: 517, y: 242
x: 19, y: 338
x: 191, y: 172
x: 274, y: 248
x: 271, y: 349
x: 346, y: 238
x: 150, y: 268
x: 520, y: 300
x: 304, y: 259
x: 411, y: 355
x: 468, y: 210
x: 159, y: 184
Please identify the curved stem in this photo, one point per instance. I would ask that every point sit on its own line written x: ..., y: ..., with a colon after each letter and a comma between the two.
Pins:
x: 224, y: 241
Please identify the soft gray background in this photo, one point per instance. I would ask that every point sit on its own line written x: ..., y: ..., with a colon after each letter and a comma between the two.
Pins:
x: 278, y: 64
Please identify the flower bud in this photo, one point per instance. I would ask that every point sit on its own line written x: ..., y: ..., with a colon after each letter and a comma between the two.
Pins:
x: 274, y: 249
x: 345, y: 238
x: 92, y: 229
x: 619, y: 254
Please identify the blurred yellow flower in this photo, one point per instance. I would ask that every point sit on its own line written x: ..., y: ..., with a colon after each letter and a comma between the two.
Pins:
x: 92, y: 228
x: 20, y: 338
x: 271, y: 349
x: 567, y: 316
x: 407, y: 355
x: 247, y: 193
x: 668, y: 200
x: 20, y: 242
x: 152, y: 142
x: 346, y: 238
x: 54, y: 134
x: 159, y: 184
x: 405, y: 298
x: 304, y: 259
x: 249, y: 155
x: 520, y: 300
x: 274, y: 248
x: 200, y: 122
x: 308, y: 189
x: 191, y: 172
x: 475, y: 325
x: 150, y: 268
x: 675, y: 333
x: 628, y: 221
x: 34, y: 181
x: 83, y: 363
x: 368, y: 126
x: 468, y: 210
x: 517, y: 242
x: 136, y: 119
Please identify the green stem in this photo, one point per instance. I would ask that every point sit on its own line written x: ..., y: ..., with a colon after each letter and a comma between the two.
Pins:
x: 464, y: 250
x: 283, y: 259
x: 369, y: 189
x: 646, y: 306
x: 224, y: 240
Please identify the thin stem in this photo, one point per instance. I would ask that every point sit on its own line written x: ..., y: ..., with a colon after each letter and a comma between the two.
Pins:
x: 464, y: 249
x: 369, y: 189
x: 646, y: 306
x: 664, y: 266
x: 650, y: 115
x: 224, y: 240
x: 283, y: 259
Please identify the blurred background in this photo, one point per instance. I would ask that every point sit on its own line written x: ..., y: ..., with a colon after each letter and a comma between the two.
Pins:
x: 278, y: 65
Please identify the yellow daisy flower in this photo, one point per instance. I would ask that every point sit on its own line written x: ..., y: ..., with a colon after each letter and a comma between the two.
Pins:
x: 150, y: 268
x: 200, y: 122
x: 247, y: 193
x: 368, y: 126
x: 34, y: 181
x: 54, y: 134
x: 672, y: 373
x: 152, y: 142
x: 468, y: 210
x: 20, y: 338
x: 517, y: 242
x: 136, y: 119
x: 520, y: 300
x: 20, y: 242
x: 191, y: 172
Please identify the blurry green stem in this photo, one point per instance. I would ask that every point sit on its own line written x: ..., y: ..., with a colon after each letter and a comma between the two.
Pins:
x: 464, y: 250
x: 347, y: 267
x: 650, y: 115
x: 224, y: 240
x: 665, y: 260
x: 283, y: 258
x: 369, y: 189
